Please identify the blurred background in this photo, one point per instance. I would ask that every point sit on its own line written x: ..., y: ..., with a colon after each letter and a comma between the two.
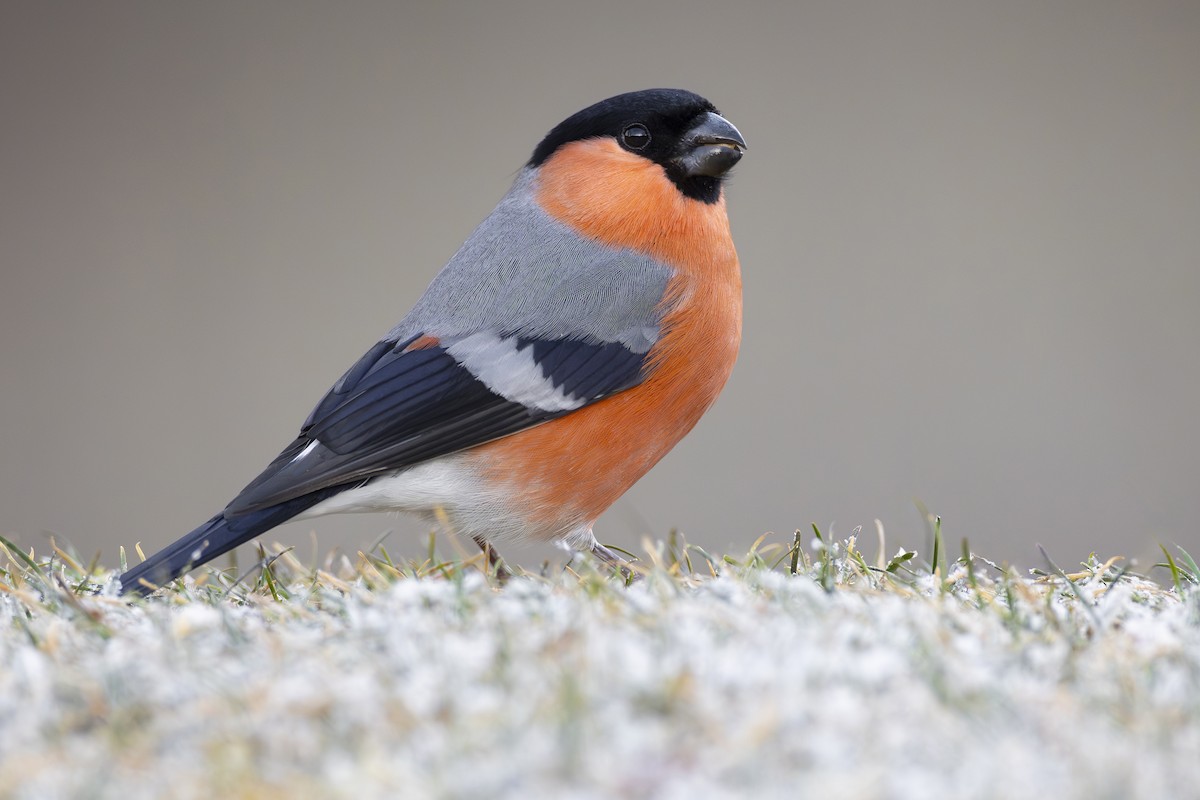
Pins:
x: 970, y: 236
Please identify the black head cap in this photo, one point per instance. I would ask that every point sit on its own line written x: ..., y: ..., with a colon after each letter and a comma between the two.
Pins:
x: 653, y: 123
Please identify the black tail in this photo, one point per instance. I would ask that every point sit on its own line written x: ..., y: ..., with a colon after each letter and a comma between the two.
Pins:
x: 214, y: 538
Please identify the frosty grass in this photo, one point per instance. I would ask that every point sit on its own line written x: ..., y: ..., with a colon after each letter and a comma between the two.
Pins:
x: 845, y: 680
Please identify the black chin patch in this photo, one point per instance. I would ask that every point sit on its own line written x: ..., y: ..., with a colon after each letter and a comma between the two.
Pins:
x: 704, y: 188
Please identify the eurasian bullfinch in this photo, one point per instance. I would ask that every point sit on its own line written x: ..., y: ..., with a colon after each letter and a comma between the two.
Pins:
x: 578, y: 334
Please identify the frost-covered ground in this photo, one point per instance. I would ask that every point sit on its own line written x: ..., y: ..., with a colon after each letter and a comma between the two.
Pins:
x: 842, y: 681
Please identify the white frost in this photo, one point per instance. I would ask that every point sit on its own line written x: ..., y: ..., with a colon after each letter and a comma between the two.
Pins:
x: 756, y: 684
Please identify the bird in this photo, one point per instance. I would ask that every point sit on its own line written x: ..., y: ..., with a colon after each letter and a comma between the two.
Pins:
x: 575, y: 338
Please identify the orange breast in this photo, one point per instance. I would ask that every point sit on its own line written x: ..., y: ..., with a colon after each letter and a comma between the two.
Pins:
x: 567, y: 472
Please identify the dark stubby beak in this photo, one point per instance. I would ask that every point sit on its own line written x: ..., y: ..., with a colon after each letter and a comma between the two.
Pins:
x: 711, y: 147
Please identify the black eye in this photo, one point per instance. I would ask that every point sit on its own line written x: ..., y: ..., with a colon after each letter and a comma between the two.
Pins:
x: 636, y: 137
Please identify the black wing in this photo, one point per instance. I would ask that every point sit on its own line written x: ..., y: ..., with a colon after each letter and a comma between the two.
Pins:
x: 398, y: 406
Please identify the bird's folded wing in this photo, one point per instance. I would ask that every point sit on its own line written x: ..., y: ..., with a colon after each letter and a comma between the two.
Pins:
x: 409, y: 401
x: 527, y: 322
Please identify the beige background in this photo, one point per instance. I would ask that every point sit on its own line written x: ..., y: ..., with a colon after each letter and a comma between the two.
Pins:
x: 970, y: 235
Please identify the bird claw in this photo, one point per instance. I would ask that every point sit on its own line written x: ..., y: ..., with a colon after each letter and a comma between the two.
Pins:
x: 496, y: 564
x: 616, y: 562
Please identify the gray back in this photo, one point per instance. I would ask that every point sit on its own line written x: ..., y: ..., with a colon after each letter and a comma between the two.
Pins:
x: 523, y: 273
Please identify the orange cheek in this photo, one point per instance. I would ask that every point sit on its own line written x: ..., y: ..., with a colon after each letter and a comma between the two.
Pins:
x: 624, y: 200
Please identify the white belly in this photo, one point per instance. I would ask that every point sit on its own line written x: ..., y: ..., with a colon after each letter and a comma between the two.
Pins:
x: 452, y: 485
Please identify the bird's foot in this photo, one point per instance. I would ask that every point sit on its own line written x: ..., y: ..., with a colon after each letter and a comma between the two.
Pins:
x: 496, y: 566
x: 616, y: 562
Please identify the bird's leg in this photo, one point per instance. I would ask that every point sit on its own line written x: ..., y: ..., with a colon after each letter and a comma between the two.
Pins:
x: 615, y: 561
x: 495, y: 563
